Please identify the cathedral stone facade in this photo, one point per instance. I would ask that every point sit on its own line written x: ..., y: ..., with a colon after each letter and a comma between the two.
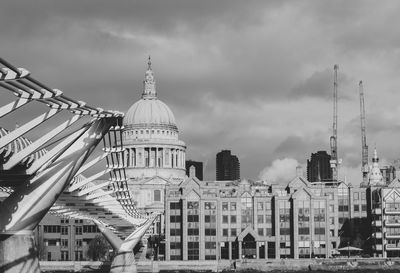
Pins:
x: 154, y: 154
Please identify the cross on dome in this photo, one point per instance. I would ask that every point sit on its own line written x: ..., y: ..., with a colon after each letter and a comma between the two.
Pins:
x: 149, y: 83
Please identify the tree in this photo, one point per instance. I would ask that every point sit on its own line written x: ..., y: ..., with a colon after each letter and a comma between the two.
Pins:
x: 98, y: 248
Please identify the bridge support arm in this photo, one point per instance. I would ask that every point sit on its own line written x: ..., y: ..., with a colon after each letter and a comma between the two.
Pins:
x: 27, y: 205
x: 124, y: 260
x: 113, y: 239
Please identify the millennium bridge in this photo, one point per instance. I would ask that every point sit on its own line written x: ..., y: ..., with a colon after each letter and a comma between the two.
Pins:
x: 68, y: 161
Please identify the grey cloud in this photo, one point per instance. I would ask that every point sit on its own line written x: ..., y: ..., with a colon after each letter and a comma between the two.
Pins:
x: 320, y: 85
x: 249, y: 55
x: 300, y: 148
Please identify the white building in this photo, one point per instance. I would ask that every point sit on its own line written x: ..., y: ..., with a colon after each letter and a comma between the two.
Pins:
x: 155, y: 155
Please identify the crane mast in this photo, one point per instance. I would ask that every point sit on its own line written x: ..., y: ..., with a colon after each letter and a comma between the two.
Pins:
x: 333, y: 139
x: 364, y: 147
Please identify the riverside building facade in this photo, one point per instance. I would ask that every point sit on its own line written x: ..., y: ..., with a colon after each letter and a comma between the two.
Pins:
x: 209, y: 220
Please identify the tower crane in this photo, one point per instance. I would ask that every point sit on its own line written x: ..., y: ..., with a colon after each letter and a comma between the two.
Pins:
x: 364, y: 147
x: 333, y: 140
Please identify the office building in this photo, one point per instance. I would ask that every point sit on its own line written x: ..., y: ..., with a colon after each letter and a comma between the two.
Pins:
x: 252, y: 220
x: 318, y: 167
x: 227, y: 166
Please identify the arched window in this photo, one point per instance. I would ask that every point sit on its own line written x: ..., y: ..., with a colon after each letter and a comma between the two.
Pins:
x: 157, y: 195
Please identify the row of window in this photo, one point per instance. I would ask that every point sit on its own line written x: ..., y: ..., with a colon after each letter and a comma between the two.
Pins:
x: 166, y: 132
x: 55, y: 229
x: 77, y: 221
x: 64, y: 229
x: 62, y: 242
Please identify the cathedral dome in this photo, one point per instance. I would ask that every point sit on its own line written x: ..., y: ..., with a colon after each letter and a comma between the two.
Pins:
x: 151, y: 140
x: 149, y: 111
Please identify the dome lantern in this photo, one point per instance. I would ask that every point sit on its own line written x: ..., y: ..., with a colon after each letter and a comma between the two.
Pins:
x: 149, y: 83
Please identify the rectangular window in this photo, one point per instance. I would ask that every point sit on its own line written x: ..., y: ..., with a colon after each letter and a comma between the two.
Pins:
x: 64, y: 230
x: 64, y: 256
x: 193, y: 231
x: 52, y: 229
x: 78, y: 230
x: 260, y: 219
x: 64, y: 242
x: 193, y: 218
x: 51, y: 242
x: 233, y: 232
x: 355, y: 196
x: 331, y: 208
x: 78, y: 242
x: 225, y: 232
x: 357, y: 208
x: 233, y: 219
x: 260, y: 205
x: 157, y: 195
x: 210, y: 232
x: 175, y: 232
x: 363, y: 207
x: 304, y: 230
x: 225, y: 219
x: 261, y: 232
x: 233, y: 206
x: 224, y: 206
x: 193, y: 250
x: 363, y: 197
x: 175, y: 205
x: 319, y: 231
x: 175, y: 219
x: 79, y: 255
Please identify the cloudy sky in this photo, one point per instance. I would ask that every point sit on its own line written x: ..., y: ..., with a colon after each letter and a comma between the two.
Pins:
x: 255, y: 77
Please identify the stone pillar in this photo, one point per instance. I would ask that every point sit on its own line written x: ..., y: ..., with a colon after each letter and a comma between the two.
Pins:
x: 230, y: 250
x: 184, y: 231
x: 201, y: 230
x: 174, y: 158
x: 295, y: 232
x: 133, y: 157
x: 266, y: 250
x: 18, y: 253
x: 167, y: 229
x: 277, y: 230
x: 156, y: 158
x: 240, y: 249
x: 257, y: 250
x: 162, y: 157
x: 178, y: 162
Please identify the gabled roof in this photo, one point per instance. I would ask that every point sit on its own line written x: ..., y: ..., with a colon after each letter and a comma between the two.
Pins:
x: 190, y: 182
x: 193, y: 195
x: 298, y: 182
x: 302, y: 192
x: 392, y: 194
x: 155, y: 180
x: 395, y: 183
x: 247, y: 230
